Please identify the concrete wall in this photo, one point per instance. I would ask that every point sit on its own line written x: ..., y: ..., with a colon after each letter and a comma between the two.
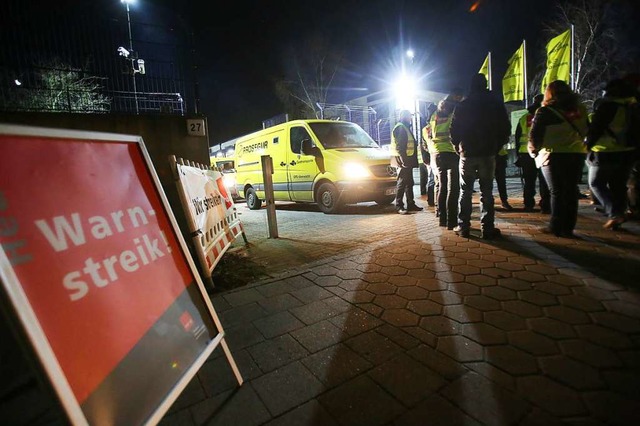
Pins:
x: 162, y: 135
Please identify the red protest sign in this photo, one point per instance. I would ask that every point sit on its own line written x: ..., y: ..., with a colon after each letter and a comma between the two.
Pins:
x: 94, y: 250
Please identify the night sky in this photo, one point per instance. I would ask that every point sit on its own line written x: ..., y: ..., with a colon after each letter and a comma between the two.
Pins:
x: 239, y: 46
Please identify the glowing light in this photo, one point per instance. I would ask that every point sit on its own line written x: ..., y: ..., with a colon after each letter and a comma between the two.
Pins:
x: 174, y: 364
x: 356, y: 171
x: 405, y: 92
x: 475, y: 6
x: 17, y: 82
x: 411, y: 54
x: 229, y: 180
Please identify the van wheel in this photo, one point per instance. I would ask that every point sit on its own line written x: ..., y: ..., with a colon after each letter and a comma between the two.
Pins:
x: 327, y: 198
x: 385, y: 201
x: 253, y: 202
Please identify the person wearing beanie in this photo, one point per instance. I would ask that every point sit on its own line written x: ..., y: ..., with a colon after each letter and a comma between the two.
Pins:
x: 479, y: 128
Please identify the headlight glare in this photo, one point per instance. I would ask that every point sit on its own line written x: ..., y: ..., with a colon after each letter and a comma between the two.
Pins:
x: 356, y: 171
x: 229, y: 181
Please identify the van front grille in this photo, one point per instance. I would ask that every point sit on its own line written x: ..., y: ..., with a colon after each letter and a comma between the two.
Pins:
x: 383, y: 170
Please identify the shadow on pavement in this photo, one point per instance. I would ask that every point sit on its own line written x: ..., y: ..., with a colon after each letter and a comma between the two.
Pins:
x: 418, y: 326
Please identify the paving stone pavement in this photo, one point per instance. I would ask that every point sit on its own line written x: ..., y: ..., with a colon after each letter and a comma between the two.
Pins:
x: 373, y: 318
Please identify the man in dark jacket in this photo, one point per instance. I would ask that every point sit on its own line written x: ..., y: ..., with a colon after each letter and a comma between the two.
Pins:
x: 479, y: 128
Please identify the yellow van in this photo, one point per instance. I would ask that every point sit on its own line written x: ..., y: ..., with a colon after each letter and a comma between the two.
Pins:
x: 330, y: 163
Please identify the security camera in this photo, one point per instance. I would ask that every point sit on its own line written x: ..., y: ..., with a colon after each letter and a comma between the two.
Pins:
x: 141, y: 69
x: 123, y: 52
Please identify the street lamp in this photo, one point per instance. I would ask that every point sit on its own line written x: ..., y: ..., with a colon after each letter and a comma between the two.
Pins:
x: 405, y: 93
x: 411, y: 54
x: 133, y: 68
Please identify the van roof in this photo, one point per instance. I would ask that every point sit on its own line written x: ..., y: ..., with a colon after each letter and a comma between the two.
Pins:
x: 282, y: 126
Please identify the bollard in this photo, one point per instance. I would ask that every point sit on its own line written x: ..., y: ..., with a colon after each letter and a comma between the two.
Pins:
x: 267, y: 172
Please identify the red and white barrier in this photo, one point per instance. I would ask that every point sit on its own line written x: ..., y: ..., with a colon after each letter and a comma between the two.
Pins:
x: 212, y: 216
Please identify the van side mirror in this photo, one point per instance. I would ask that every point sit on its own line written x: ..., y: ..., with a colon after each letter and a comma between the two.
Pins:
x: 307, y: 147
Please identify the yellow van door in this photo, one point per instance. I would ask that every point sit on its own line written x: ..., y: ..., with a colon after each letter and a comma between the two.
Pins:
x: 301, y: 169
x: 278, y: 150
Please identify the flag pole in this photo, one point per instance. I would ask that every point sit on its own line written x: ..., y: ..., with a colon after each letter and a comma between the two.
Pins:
x: 490, y: 76
x: 524, y: 73
x: 573, y: 65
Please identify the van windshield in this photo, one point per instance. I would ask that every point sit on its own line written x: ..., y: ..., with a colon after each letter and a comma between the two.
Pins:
x: 342, y: 135
x: 226, y: 166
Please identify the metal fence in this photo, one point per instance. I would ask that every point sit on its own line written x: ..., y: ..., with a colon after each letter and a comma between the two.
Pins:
x: 275, y: 120
x: 383, y: 129
x: 364, y: 116
x: 68, y: 56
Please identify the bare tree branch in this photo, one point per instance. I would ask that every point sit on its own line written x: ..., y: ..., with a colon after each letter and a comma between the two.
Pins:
x: 312, y: 69
x: 597, y: 35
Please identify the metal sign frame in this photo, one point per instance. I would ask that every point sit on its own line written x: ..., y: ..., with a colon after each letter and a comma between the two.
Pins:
x: 31, y: 324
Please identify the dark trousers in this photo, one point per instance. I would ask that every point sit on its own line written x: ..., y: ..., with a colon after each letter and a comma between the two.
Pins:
x: 404, y: 185
x: 561, y: 174
x: 427, y: 182
x: 482, y: 169
x: 501, y: 176
x: 446, y: 171
x: 529, y: 175
x: 607, y: 180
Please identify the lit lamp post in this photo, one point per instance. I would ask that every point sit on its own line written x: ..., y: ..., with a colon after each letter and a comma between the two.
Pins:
x: 133, y: 68
x: 411, y: 54
x: 405, y: 94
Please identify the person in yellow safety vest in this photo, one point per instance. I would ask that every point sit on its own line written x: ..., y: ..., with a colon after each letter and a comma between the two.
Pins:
x: 444, y: 161
x: 556, y: 141
x: 404, y: 158
x: 611, y: 139
x: 527, y: 164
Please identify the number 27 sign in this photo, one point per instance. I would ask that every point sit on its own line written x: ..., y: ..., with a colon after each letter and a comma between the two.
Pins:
x: 196, y: 127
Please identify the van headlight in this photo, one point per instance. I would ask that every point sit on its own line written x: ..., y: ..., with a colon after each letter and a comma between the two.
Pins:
x: 229, y: 181
x: 356, y: 171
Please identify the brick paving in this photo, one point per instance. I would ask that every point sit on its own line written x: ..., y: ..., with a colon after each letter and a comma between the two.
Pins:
x: 373, y: 318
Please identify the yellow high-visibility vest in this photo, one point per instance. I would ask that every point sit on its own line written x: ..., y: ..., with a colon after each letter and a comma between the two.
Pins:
x: 563, y: 137
x: 411, y: 143
x: 609, y: 141
x: 525, y: 126
x: 437, y: 135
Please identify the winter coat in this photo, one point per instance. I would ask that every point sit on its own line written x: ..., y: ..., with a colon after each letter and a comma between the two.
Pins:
x: 480, y: 125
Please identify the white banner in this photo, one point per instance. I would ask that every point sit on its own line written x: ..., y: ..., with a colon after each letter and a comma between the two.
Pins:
x: 211, y: 213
